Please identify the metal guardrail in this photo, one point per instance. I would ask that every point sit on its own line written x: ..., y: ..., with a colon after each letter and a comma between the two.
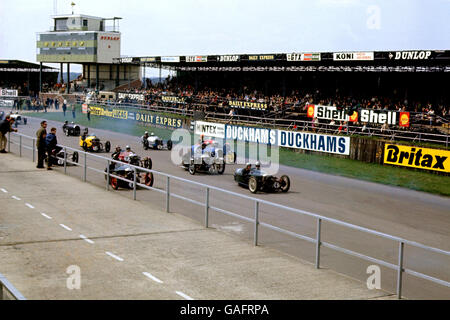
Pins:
x: 256, y: 221
x: 5, y: 285
x: 288, y: 124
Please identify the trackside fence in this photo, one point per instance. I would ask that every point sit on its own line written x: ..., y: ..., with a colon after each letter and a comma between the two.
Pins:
x: 317, y: 241
x: 7, y: 287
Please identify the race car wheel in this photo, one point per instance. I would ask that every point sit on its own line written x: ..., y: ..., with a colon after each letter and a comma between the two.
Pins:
x: 60, y: 162
x: 192, y: 168
x: 75, y: 157
x: 85, y: 147
x: 285, y: 183
x: 148, y: 179
x: 169, y: 145
x: 114, y: 183
x: 76, y: 131
x: 97, y: 148
x: 107, y: 146
x: 148, y: 164
x: 220, y: 168
x: 253, y: 185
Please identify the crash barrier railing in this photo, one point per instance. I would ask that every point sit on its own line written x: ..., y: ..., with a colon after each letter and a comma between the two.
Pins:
x: 256, y: 221
x: 6, y: 286
x: 288, y: 124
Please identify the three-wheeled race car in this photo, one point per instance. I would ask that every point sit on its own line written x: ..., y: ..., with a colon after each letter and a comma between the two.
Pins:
x: 57, y: 157
x: 72, y: 129
x: 258, y: 180
x: 18, y: 119
x: 124, y: 170
x: 204, y: 158
x: 155, y: 142
x: 92, y: 143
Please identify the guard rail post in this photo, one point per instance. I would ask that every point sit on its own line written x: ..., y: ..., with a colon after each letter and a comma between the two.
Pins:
x: 256, y: 222
x: 65, y: 160
x: 134, y: 183
x: 20, y: 146
x: 34, y: 150
x: 107, y: 175
x: 318, y: 242
x: 167, y: 194
x: 207, y: 208
x: 85, y: 167
x: 401, y: 247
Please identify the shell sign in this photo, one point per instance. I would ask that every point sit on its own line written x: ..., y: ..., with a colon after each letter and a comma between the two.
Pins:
x: 310, y: 112
x: 404, y: 119
x: 354, y: 117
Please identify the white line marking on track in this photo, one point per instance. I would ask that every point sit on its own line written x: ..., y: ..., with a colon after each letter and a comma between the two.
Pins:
x: 29, y: 205
x: 86, y: 239
x: 183, y: 295
x: 113, y: 256
x: 4, y: 190
x: 152, y: 277
x: 48, y: 217
x: 17, y: 198
x: 65, y: 227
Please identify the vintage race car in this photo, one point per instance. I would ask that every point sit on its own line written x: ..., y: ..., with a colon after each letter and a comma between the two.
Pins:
x: 72, y: 129
x: 205, y: 159
x: 92, y: 143
x: 229, y: 155
x: 19, y: 119
x: 257, y: 180
x: 156, y: 143
x: 57, y: 158
x: 126, y: 171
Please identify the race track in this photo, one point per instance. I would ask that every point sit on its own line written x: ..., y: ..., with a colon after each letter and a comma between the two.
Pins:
x: 412, y: 215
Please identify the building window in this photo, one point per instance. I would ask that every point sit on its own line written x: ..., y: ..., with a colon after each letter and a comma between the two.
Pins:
x: 85, y: 23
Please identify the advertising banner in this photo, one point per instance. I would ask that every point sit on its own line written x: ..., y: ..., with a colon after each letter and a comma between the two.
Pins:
x: 248, y: 134
x: 314, y: 142
x: 170, y: 59
x: 140, y: 116
x: 131, y: 96
x: 405, y: 119
x: 333, y: 113
x: 228, y: 58
x: 196, y: 58
x: 172, y: 99
x: 216, y: 130
x: 378, y: 116
x: 8, y: 93
x: 303, y: 57
x: 248, y: 105
x: 353, y: 56
x: 415, y: 157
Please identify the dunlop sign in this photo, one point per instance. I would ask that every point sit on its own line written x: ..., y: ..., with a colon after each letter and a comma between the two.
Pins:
x: 422, y: 158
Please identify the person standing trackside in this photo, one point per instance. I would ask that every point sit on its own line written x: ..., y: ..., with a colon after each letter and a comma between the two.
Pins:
x: 88, y: 111
x: 52, y: 147
x: 41, y: 134
x: 5, y: 127
x: 64, y: 107
x: 73, y: 111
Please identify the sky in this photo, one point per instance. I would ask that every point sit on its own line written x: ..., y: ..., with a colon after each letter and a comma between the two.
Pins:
x: 202, y: 27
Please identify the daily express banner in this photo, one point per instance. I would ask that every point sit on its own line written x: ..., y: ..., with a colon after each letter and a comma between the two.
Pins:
x: 172, y: 99
x: 248, y: 105
x: 314, y: 142
x: 422, y: 158
x: 216, y: 130
x: 131, y: 96
x: 137, y: 116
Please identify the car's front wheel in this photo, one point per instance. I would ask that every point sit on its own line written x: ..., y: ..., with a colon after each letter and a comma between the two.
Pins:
x: 285, y: 183
x: 192, y: 168
x: 253, y: 185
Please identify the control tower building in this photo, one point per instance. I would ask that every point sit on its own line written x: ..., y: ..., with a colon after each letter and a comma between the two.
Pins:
x: 91, y: 41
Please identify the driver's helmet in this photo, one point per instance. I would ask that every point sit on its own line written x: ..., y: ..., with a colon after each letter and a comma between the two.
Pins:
x: 72, y: 122
x: 118, y: 148
x: 66, y: 122
x: 146, y: 133
x: 248, y: 165
x: 258, y: 165
x: 152, y: 134
x: 127, y: 148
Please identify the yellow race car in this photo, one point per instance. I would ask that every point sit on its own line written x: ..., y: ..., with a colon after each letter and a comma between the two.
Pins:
x: 92, y: 143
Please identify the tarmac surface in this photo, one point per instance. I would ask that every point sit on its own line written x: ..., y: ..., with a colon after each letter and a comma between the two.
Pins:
x: 127, y: 249
x: 412, y: 215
